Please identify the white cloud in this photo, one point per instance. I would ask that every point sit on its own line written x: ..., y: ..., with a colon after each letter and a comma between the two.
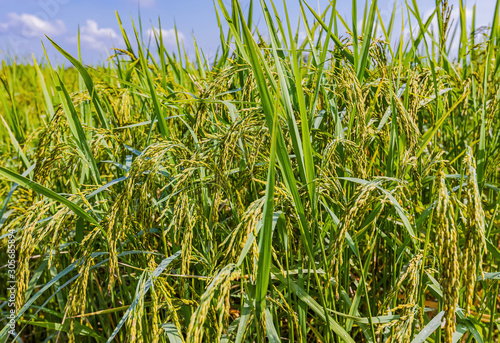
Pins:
x: 302, y: 36
x: 97, y: 38
x: 30, y: 26
x: 168, y: 36
x: 92, y: 29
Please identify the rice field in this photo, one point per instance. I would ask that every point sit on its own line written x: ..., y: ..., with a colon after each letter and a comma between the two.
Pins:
x: 337, y: 188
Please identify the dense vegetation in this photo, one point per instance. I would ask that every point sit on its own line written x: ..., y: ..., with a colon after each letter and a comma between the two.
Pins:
x: 335, y: 189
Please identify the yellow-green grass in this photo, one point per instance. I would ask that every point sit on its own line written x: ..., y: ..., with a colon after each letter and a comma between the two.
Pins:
x: 350, y: 196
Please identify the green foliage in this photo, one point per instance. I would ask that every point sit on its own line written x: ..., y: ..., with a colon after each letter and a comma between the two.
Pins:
x: 304, y: 191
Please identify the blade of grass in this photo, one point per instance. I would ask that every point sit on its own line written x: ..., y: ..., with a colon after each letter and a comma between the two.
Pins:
x: 88, y: 83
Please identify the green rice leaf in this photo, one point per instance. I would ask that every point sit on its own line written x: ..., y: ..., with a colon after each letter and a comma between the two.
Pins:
x: 22, y: 181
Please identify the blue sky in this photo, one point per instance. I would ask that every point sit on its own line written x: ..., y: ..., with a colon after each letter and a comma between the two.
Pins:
x: 23, y: 23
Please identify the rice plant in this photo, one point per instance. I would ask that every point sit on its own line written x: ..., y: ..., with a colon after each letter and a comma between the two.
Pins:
x: 340, y: 188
